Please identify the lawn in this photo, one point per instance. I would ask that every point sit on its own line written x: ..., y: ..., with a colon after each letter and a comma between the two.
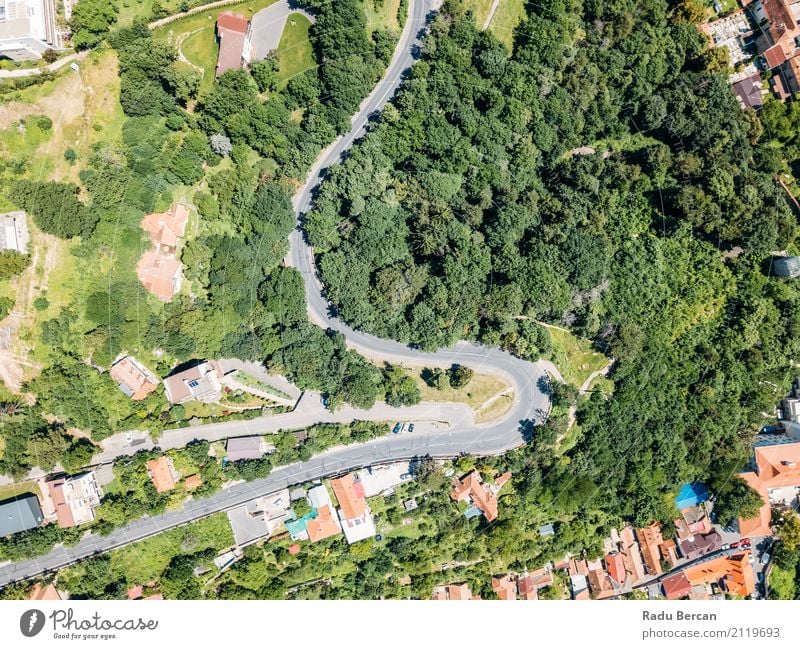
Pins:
x: 294, y: 51
x: 14, y: 490
x: 574, y: 357
x: 382, y: 13
x: 194, y: 35
x: 130, y: 10
x: 475, y: 394
x: 480, y: 8
x: 508, y: 15
x: 146, y: 560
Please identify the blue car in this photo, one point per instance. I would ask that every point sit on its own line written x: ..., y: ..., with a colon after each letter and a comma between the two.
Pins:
x: 397, y: 428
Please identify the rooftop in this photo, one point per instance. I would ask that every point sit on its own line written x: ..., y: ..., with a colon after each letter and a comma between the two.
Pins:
x: 244, y: 448
x: 162, y: 473
x: 19, y: 514
x: 133, y: 378
x: 350, y: 493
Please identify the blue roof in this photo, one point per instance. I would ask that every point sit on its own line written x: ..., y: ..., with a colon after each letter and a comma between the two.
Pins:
x: 691, y: 494
x: 299, y: 525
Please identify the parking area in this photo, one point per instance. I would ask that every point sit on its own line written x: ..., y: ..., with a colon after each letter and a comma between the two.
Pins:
x: 379, y: 478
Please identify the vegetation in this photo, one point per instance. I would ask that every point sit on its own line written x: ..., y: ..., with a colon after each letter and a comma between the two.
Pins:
x: 465, y: 214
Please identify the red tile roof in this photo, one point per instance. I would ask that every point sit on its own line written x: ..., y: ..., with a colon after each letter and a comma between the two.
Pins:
x: 233, y: 22
x: 135, y: 592
x: 616, y: 568
x: 294, y: 549
x: 774, y: 56
x: 505, y: 586
x: 350, y: 494
x: 734, y: 573
x: 323, y: 526
x: 160, y: 471
x: 44, y: 593
x: 133, y: 377
x: 231, y: 31
x: 470, y: 487
x: 676, y: 586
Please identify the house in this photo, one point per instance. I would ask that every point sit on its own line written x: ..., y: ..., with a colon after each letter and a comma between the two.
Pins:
x: 676, y: 586
x: 354, y: 512
x: 650, y: 542
x: 453, y: 592
x: 748, y: 92
x: 701, y: 544
x: 135, y: 592
x: 599, y: 580
x: 529, y: 583
x: 323, y: 525
x: 192, y: 482
x: 274, y: 509
x: 786, y: 266
x: 775, y: 476
x: 19, y: 514
x: 14, y: 231
x: 133, y: 378
x: 615, y: 566
x: 631, y: 556
x: 318, y: 496
x: 732, y: 574
x: 200, y: 382
x: 44, y: 593
x: 547, y: 530
x: 158, y: 269
x: 482, y: 496
x: 231, y: 31
x: 505, y: 586
x: 162, y: 473
x: 27, y: 29
x: 244, y: 448
x: 160, y: 275
x: 75, y: 498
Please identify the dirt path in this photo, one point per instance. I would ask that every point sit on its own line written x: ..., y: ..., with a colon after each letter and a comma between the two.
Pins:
x: 488, y: 21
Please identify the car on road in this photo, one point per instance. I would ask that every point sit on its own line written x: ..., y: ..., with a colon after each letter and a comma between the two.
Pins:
x: 129, y: 437
x: 406, y: 476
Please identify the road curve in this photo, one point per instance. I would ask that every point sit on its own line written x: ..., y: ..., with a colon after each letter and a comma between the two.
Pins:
x: 528, y: 379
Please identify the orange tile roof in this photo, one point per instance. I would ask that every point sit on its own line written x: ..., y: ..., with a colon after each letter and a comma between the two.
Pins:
x: 505, y: 586
x: 294, y: 549
x: 631, y: 554
x: 323, y: 526
x: 453, y: 592
x: 166, y: 228
x: 471, y: 487
x: 128, y: 373
x: 350, y: 494
x: 650, y: 540
x: 760, y: 524
x: 158, y: 274
x: 63, y: 510
x: 192, y: 482
x: 735, y: 572
x: 160, y: 471
x: 156, y: 596
x: 774, y: 56
x: 44, y: 593
x: 616, y: 568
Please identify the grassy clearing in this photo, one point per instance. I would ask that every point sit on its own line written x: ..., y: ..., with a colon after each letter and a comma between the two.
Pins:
x: 478, y: 391
x: 495, y: 408
x: 146, y: 560
x: 574, y: 357
x: 295, y: 55
x: 508, y: 15
x: 480, y: 8
x: 382, y: 13
x: 14, y: 490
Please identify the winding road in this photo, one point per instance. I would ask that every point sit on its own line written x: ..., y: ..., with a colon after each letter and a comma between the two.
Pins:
x: 529, y: 380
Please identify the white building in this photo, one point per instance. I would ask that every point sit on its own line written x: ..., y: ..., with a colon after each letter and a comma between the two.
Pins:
x: 14, y: 231
x: 27, y: 29
x: 74, y: 498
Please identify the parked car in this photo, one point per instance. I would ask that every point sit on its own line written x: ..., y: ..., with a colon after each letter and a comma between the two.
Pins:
x: 726, y: 546
x: 744, y: 543
x: 406, y: 476
x: 129, y: 437
x: 324, y: 401
x: 397, y: 428
x: 411, y: 428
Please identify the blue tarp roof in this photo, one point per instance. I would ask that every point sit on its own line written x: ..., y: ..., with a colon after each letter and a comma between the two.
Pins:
x: 299, y: 525
x: 473, y: 512
x: 691, y: 494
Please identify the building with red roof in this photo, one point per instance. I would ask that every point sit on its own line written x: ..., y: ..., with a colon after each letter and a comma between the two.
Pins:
x: 676, y: 586
x: 732, y: 574
x: 231, y: 31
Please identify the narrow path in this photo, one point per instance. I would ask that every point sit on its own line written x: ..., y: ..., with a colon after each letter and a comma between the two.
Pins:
x: 52, y: 67
x: 487, y: 22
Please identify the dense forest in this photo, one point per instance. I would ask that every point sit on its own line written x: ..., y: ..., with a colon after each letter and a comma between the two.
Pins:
x: 598, y: 177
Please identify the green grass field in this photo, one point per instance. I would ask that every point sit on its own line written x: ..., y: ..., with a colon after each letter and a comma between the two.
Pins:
x: 294, y: 51
x: 14, y: 490
x: 382, y: 13
x: 574, y: 357
x: 480, y: 8
x: 508, y: 15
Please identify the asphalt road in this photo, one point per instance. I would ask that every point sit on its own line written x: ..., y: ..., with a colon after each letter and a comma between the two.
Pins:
x: 528, y: 379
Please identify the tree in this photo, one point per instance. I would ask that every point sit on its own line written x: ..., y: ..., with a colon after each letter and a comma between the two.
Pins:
x: 265, y: 73
x: 12, y: 263
x: 736, y: 498
x: 460, y: 376
x: 220, y: 144
x: 90, y: 20
x: 399, y: 388
x: 789, y: 530
x: 55, y: 207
